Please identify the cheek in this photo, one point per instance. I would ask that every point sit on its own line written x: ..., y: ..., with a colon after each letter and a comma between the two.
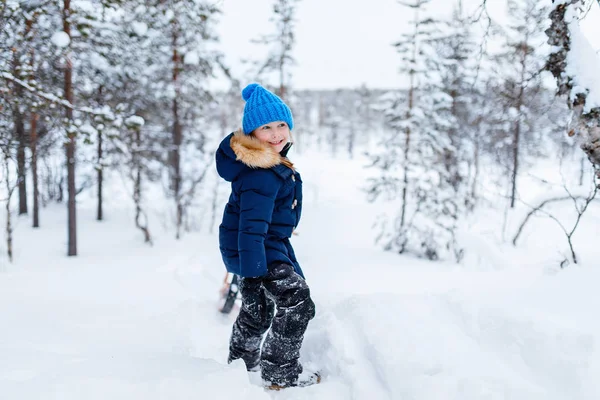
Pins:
x: 262, y: 136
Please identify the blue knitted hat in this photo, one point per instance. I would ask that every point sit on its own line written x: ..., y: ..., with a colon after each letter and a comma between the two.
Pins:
x: 263, y: 107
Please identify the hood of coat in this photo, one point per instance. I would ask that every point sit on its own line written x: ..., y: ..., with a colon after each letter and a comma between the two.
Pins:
x: 238, y: 152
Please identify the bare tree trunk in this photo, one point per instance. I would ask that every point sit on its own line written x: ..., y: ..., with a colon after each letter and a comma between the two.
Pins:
x: 20, y: 137
x: 100, y: 177
x: 70, y: 146
x: 33, y: 138
x: 177, y: 139
x: 476, y: 166
x: 34, y: 170
x: 411, y: 98
x: 282, y: 91
x: 137, y: 189
x: 9, y: 191
x: 351, y: 141
x: 516, y: 140
x: 517, y: 133
x: 61, y: 191
x: 21, y: 163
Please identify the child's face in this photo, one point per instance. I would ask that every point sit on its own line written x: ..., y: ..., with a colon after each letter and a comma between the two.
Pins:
x: 275, y: 134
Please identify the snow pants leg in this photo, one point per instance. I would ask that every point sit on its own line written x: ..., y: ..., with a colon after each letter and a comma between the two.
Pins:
x: 251, y: 323
x: 281, y: 349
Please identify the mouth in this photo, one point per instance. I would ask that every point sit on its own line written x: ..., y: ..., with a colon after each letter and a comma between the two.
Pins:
x: 276, y: 143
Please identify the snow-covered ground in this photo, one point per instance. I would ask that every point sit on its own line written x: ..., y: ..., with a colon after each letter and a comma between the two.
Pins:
x: 126, y: 321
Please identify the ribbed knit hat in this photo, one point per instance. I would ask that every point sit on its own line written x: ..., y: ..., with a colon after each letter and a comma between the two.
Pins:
x: 263, y: 107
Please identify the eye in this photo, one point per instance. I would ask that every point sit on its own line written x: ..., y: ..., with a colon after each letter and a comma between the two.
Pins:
x: 266, y: 127
x: 281, y: 125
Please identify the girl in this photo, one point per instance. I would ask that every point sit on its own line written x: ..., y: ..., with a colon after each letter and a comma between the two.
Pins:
x: 263, y: 209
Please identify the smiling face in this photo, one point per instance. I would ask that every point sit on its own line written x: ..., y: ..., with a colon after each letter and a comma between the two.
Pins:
x: 275, y: 134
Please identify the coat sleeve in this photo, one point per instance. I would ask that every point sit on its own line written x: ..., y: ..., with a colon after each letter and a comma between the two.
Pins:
x: 258, y: 192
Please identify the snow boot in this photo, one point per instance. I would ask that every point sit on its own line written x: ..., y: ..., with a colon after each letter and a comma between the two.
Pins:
x: 305, y: 379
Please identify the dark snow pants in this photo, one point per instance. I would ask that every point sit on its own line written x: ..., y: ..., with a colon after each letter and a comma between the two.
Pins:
x: 281, y: 349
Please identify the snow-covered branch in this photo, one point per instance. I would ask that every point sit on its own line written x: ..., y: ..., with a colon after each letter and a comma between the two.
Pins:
x: 53, y: 99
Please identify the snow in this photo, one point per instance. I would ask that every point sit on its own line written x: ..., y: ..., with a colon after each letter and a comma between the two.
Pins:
x: 60, y: 39
x: 192, y: 58
x: 126, y: 321
x: 583, y: 64
x: 134, y: 120
x: 140, y: 28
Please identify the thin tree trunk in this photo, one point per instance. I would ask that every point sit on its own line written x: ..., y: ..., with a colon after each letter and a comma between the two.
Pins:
x: 33, y: 138
x: 351, y: 140
x: 517, y: 133
x: 516, y: 140
x: 20, y: 134
x: 34, y: 170
x: 176, y: 167
x: 70, y: 146
x: 9, y: 191
x: 100, y: 167
x: 281, y: 79
x: 476, y: 167
x: 100, y: 177
x: 61, y: 195
x: 411, y: 95
x: 21, y: 162
x: 177, y: 139
x: 137, y: 189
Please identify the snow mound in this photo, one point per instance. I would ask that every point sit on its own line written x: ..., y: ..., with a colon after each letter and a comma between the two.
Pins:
x: 388, y: 346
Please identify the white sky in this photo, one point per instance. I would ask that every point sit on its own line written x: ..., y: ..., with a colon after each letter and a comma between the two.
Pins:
x: 340, y: 43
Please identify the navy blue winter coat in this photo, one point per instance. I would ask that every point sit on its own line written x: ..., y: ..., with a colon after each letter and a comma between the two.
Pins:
x: 263, y: 209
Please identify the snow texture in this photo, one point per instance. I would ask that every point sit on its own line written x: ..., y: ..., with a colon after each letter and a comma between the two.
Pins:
x: 134, y: 120
x: 60, y: 39
x: 583, y: 63
x: 140, y: 28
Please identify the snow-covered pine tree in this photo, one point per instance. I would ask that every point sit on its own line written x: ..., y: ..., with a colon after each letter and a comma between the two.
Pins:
x: 180, y: 65
x: 120, y: 90
x: 100, y: 53
x: 18, y: 32
x: 412, y: 157
x: 27, y: 62
x: 456, y: 65
x: 281, y: 44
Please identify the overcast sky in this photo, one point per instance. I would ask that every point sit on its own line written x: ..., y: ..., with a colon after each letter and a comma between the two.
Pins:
x: 341, y: 43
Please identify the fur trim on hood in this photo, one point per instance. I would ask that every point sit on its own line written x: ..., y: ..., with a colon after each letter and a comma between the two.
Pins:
x: 255, y: 153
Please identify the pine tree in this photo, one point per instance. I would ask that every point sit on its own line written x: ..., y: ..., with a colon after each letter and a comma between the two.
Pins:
x: 182, y: 62
x: 413, y: 158
x: 456, y: 67
x: 281, y: 43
